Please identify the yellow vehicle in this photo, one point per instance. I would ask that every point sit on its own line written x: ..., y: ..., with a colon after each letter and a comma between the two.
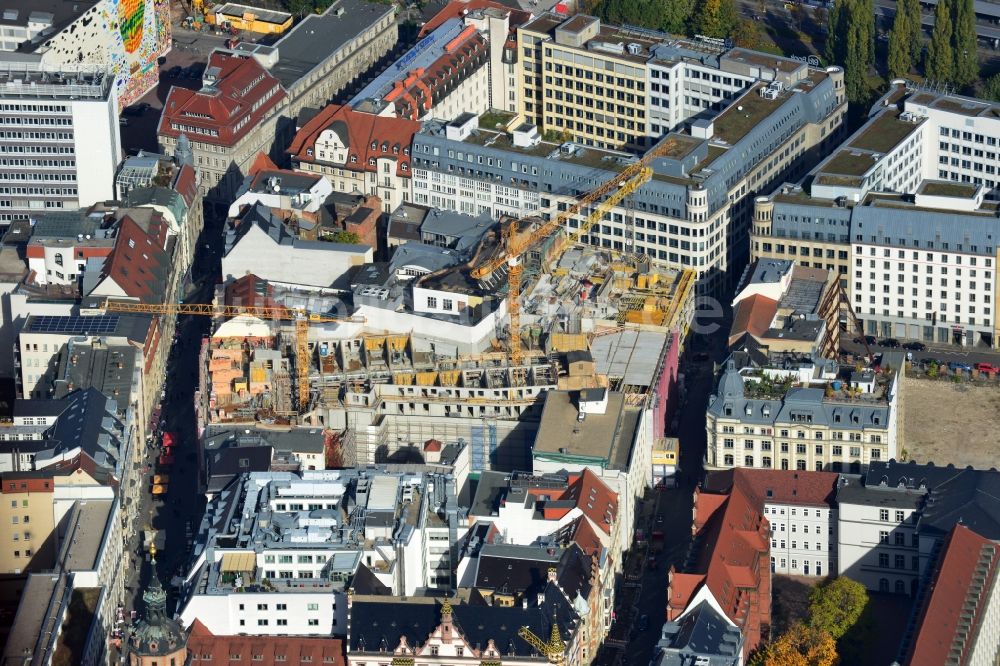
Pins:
x: 159, y: 489
x: 161, y: 479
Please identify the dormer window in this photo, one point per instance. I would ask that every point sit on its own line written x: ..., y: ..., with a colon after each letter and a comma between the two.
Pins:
x: 404, y: 167
x: 374, y: 145
x: 354, y: 158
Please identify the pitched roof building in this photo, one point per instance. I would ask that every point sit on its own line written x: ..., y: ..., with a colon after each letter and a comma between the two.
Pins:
x: 229, y: 121
x: 245, y: 650
x: 731, y: 535
x: 357, y: 152
x: 953, y: 625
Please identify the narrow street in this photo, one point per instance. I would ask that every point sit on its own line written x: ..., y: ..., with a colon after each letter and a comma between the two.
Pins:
x: 175, y: 516
x: 643, y: 591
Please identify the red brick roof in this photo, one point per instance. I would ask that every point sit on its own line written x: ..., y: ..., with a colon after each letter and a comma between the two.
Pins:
x: 586, y: 537
x: 948, y: 595
x: 778, y: 486
x: 594, y: 499
x: 262, y: 650
x: 733, y: 561
x: 250, y: 291
x: 457, y: 8
x: 242, y: 94
x: 391, y: 136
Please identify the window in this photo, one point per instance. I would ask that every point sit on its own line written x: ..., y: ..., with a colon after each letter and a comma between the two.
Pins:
x: 313, y: 622
x: 432, y: 302
x: 883, y: 536
x: 883, y: 559
x: 883, y: 514
x: 900, y: 517
x: 899, y: 562
x: 899, y: 538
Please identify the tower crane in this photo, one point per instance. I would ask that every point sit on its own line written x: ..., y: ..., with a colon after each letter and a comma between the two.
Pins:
x: 301, y: 317
x: 554, y: 649
x: 515, y: 244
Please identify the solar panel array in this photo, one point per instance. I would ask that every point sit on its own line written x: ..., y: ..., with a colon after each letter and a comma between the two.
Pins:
x: 94, y: 325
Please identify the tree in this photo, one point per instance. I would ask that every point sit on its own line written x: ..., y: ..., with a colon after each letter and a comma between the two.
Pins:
x: 836, y: 606
x: 747, y: 34
x: 916, y: 28
x: 801, y: 645
x: 964, y: 42
x: 940, y: 63
x: 851, y: 42
x: 991, y: 89
x: 905, y: 31
x: 348, y: 237
x: 715, y: 18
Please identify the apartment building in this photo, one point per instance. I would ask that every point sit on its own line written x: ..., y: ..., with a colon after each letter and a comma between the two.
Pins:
x: 893, y: 523
x: 727, y: 565
x: 605, y: 432
x: 802, y: 418
x: 319, y: 535
x: 801, y: 508
x: 443, y: 76
x: 357, y: 152
x: 51, y: 118
x: 695, y: 211
x: 499, y: 23
x: 903, y: 212
x: 783, y: 309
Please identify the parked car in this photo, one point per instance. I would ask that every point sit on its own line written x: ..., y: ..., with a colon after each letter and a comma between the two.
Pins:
x: 643, y: 623
x: 927, y: 361
x: 915, y: 346
x: 870, y: 339
x: 891, y: 343
x: 987, y: 367
x: 135, y: 109
x: 123, y: 122
x: 958, y: 366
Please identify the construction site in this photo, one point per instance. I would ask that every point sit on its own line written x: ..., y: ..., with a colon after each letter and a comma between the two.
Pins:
x: 577, y: 316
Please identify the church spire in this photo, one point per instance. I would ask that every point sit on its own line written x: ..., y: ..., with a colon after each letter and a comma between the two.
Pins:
x: 155, y: 596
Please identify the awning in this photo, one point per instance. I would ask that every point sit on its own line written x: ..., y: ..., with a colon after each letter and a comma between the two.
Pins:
x: 239, y: 561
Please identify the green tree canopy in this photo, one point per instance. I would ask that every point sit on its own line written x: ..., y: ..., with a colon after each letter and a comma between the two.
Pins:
x: 964, y: 44
x: 940, y: 63
x: 836, y: 606
x: 348, y: 237
x: 991, y: 89
x: 851, y: 42
x: 906, y: 38
x: 714, y: 18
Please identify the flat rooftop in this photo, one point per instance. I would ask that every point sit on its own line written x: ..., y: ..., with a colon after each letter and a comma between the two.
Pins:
x: 30, y: 618
x: 745, y: 113
x: 319, y: 36
x: 86, y: 534
x: 884, y: 133
x: 263, y: 15
x: 944, y: 188
x: 629, y: 354
x: 603, y: 437
x: 849, y: 162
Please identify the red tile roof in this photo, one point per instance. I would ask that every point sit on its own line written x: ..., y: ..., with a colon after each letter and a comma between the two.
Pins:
x: 241, y: 95
x: 139, y: 263
x: 261, y: 163
x: 778, y: 486
x: 391, y: 136
x: 262, y: 650
x: 594, y: 499
x: 457, y: 8
x: 753, y: 315
x: 186, y: 184
x: 414, y: 94
x: 733, y: 561
x: 585, y: 536
x: 938, y: 631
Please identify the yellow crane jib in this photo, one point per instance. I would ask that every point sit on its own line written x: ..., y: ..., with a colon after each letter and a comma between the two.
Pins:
x: 554, y: 649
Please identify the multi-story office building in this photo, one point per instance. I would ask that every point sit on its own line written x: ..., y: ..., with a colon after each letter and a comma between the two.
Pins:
x: 801, y: 419
x: 693, y: 213
x: 902, y: 211
x: 51, y: 118
x: 802, y: 510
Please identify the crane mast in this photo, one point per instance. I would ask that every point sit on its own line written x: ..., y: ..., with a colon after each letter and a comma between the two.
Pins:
x: 515, y: 244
